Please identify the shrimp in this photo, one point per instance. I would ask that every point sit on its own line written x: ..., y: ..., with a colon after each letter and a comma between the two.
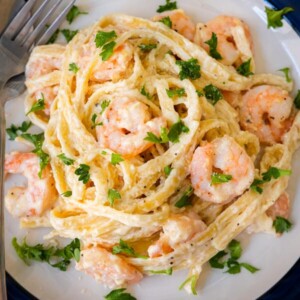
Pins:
x: 265, y: 111
x: 125, y: 125
x: 225, y: 156
x: 39, y: 196
x: 280, y: 208
x: 222, y: 26
x: 178, y: 229
x: 109, y: 269
x: 112, y: 69
x: 180, y: 22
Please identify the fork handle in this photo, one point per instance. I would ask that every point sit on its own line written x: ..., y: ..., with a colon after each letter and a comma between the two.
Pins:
x: 2, y: 250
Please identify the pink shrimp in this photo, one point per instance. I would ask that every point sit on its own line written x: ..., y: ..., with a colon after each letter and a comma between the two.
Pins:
x: 125, y: 125
x: 223, y: 156
x: 109, y: 269
x: 178, y: 229
x: 39, y: 196
x: 266, y: 111
x: 280, y: 208
x: 180, y: 22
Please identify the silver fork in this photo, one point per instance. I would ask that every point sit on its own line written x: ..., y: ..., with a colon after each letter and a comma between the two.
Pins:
x: 15, y: 44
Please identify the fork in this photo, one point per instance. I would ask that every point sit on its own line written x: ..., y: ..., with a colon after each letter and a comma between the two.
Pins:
x: 16, y: 41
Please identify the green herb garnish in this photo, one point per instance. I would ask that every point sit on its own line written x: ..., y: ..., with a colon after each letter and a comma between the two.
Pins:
x: 168, y: 6
x: 275, y: 16
x: 94, y: 124
x: 83, y: 173
x: 104, y: 104
x: 217, y: 178
x: 116, y: 159
x: 176, y: 130
x: 112, y: 196
x: 39, y: 105
x: 124, y: 248
x: 212, y: 94
x: 73, y: 68
x: 193, y: 281
x: 69, y: 34
x: 145, y: 93
x: 286, y: 72
x: 67, y: 161
x: 73, y: 13
x: 281, y: 224
x: 53, y: 37
x: 147, y: 47
x: 235, y: 249
x: 213, y: 44
x: 189, y: 69
x: 167, y: 170
x: 185, y: 200
x: 167, y: 21
x: 103, y: 37
x: 244, y: 68
x: 119, y: 294
x: 12, y: 131
x: 297, y: 100
x: 67, y: 194
x: 176, y: 92
x: 107, y: 50
x: 215, y: 260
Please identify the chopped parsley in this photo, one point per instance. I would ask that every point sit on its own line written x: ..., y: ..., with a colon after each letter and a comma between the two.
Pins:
x: 168, y: 6
x: 272, y: 173
x: 39, y: 105
x: 167, y: 21
x: 213, y: 44
x: 119, y: 294
x: 297, y: 100
x: 73, y: 13
x: 282, y: 225
x: 67, y: 161
x: 12, y: 131
x: 145, y: 93
x: 233, y: 266
x: 167, y: 170
x: 40, y: 253
x: 147, y: 47
x: 104, y: 105
x: 107, y: 50
x: 176, y: 92
x: 192, y: 280
x: 112, y: 196
x: 103, y: 37
x: 37, y: 140
x: 69, y: 34
x: 185, y: 200
x: 199, y: 93
x: 244, y: 68
x: 212, y: 94
x: 73, y: 68
x: 168, y: 271
x: 83, y: 173
x: 94, y: 124
x: 286, y: 72
x: 124, y: 248
x: 67, y: 194
x: 53, y: 37
x: 275, y: 16
x: 217, y: 178
x: 116, y: 159
x: 189, y: 69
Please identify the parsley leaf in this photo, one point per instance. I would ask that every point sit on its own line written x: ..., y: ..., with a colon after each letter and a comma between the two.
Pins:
x: 83, y: 173
x: 235, y: 249
x: 281, y: 224
x: 145, y: 93
x: 39, y: 105
x: 244, y: 68
x: 123, y: 248
x: 67, y: 161
x: 168, y: 6
x: 104, y: 104
x: 67, y: 194
x: 167, y: 21
x: 213, y: 44
x: 275, y: 16
x: 151, y: 137
x: 215, y: 260
x: 147, y: 47
x: 73, y: 13
x: 69, y: 34
x: 116, y: 159
x: 53, y: 37
x: 94, y: 124
x: 199, y: 93
x: 220, y: 178
x: 112, y: 196
x: 297, y: 100
x: 185, y: 200
x: 248, y: 267
x: 255, y: 186
x: 167, y: 170
x: 73, y: 68
x: 212, y: 94
x: 107, y: 50
x: 176, y: 130
x: 119, y: 294
x: 103, y: 37
x: 168, y: 271
x: 189, y: 69
x: 286, y: 72
x: 37, y: 140
x: 193, y: 281
x: 12, y: 131
x: 233, y: 266
x: 176, y: 92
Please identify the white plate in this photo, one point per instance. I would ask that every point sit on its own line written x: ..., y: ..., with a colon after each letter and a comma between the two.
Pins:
x: 274, y: 256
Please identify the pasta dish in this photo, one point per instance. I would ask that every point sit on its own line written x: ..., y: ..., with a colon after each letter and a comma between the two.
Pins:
x: 160, y: 144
